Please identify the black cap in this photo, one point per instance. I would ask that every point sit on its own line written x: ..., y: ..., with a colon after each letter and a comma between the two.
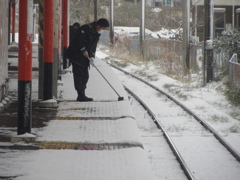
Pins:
x: 76, y: 25
x: 103, y: 22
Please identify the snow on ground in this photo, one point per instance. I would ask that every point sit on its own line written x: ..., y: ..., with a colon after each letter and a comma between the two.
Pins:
x: 208, y: 102
x: 128, y: 164
x: 94, y: 132
x: 73, y: 164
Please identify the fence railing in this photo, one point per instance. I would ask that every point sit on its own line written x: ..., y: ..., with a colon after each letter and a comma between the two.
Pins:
x: 220, y: 59
x: 234, y: 71
x: 157, y: 47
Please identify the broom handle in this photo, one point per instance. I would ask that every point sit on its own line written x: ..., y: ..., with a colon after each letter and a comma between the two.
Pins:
x: 105, y: 79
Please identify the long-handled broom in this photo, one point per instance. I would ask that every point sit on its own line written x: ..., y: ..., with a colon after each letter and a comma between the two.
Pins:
x: 120, y: 98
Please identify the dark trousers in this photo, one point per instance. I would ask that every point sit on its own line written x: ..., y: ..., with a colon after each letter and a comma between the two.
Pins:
x: 80, y: 76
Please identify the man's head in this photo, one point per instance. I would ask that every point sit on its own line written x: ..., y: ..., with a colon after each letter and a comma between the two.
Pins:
x: 76, y: 25
x: 102, y: 24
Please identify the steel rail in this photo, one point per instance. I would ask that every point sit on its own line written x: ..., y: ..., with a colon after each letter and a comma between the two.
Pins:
x: 181, y: 161
x: 231, y: 149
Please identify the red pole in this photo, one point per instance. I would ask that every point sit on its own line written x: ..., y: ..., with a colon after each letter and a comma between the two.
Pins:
x: 60, y: 39
x: 13, y: 20
x: 65, y: 30
x: 60, y: 28
x: 48, y: 43
x: 25, y: 67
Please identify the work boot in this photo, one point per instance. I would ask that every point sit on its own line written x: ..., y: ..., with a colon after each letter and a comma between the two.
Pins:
x: 84, y: 98
x: 81, y: 96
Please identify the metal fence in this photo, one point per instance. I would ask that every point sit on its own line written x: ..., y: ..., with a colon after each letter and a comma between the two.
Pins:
x: 158, y: 47
x: 234, y: 71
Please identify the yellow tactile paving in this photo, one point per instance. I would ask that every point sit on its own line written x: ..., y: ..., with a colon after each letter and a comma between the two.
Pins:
x: 74, y: 109
x: 57, y: 145
x: 54, y: 145
x: 66, y: 118
x: 95, y: 109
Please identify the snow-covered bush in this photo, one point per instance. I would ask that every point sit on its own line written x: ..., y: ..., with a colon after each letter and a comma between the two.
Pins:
x: 228, y: 43
x: 233, y: 94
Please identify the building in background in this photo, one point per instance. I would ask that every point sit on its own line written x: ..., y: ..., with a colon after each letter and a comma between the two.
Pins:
x: 226, y: 14
x: 164, y: 3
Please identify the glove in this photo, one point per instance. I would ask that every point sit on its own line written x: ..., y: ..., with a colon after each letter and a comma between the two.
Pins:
x: 85, y: 54
x: 91, y: 60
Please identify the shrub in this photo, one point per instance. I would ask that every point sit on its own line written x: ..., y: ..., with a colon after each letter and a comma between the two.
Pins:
x: 232, y: 94
x: 228, y: 43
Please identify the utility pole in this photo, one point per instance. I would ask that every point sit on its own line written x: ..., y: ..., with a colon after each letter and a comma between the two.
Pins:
x: 40, y: 49
x: 111, y: 28
x: 55, y: 48
x: 142, y: 27
x: 233, y: 14
x: 13, y: 19
x: 195, y: 20
x: 208, y: 75
x: 60, y: 39
x: 9, y: 21
x: 186, y: 34
x: 95, y: 10
x: 25, y: 67
x: 34, y: 21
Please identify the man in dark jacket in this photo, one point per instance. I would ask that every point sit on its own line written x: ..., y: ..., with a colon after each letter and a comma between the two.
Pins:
x: 81, y: 51
x: 73, y: 30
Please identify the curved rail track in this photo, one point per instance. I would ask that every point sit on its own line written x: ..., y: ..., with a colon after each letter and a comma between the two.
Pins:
x: 189, y: 173
x: 183, y: 164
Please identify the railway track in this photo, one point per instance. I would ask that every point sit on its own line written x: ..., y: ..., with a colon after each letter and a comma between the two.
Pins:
x: 154, y: 135
x: 200, y: 150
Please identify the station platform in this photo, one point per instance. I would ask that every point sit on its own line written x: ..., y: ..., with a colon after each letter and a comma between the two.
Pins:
x: 96, y: 140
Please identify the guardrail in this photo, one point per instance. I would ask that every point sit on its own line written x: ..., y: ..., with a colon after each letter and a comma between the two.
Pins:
x: 234, y: 71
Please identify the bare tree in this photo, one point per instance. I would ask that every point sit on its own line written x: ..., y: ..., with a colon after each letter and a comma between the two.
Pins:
x: 82, y: 11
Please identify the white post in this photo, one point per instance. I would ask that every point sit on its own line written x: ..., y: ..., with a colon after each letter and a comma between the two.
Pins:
x: 142, y: 26
x: 186, y: 34
x: 111, y: 28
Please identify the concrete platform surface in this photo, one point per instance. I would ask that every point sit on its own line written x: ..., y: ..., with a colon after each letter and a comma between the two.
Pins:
x: 96, y: 140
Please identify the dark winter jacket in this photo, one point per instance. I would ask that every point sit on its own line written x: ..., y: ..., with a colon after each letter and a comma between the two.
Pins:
x: 86, y: 40
x: 73, y: 30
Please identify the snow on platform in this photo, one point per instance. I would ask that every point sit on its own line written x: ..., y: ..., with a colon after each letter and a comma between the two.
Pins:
x: 123, y: 164
x: 105, y: 121
x: 121, y: 131
x: 97, y: 87
x: 95, y: 109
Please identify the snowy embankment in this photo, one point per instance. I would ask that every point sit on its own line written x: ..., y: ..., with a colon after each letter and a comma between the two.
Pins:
x: 208, y: 102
